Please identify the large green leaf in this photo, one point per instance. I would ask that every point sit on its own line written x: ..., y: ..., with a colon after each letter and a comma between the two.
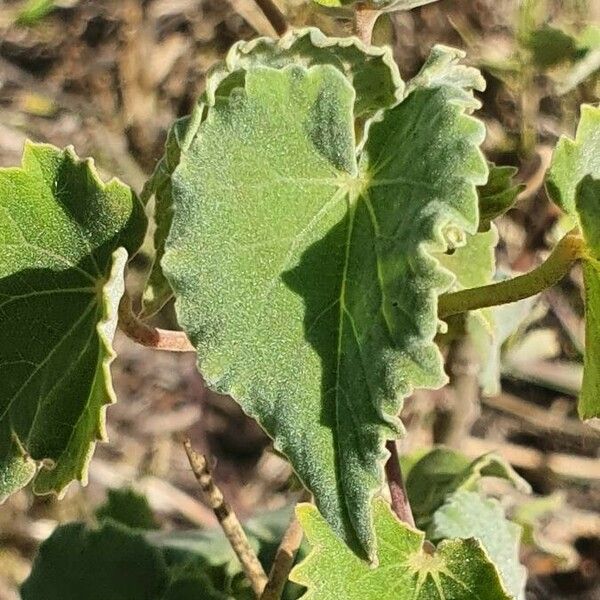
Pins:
x: 573, y: 184
x: 64, y: 240
x: 457, y: 570
x: 372, y: 72
x: 110, y: 562
x: 466, y: 514
x: 304, y: 277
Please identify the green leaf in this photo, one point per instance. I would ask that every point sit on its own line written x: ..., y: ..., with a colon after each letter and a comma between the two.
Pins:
x: 157, y: 291
x: 34, y: 11
x: 573, y: 184
x: 549, y: 46
x: 64, y: 237
x: 498, y: 195
x: 110, y: 562
x: 468, y: 515
x: 371, y: 70
x: 458, y: 570
x: 305, y: 277
x: 574, y: 159
x: 443, y: 472
x: 128, y: 507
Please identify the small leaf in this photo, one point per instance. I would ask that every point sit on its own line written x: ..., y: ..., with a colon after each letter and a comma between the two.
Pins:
x: 458, y: 570
x: 304, y: 276
x: 498, y: 195
x: 468, y: 515
x: 550, y: 46
x: 443, y: 471
x: 64, y: 238
x: 128, y: 507
x: 574, y: 159
x: 371, y: 70
x: 110, y: 562
x: 573, y: 184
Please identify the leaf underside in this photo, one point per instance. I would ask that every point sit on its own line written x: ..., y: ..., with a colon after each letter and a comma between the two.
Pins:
x: 303, y: 273
x: 64, y: 239
x: 573, y: 184
x: 458, y: 570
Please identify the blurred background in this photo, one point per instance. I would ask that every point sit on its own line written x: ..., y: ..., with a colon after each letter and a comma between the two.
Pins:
x: 109, y: 77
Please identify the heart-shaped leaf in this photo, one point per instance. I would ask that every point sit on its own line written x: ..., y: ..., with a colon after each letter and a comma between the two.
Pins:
x: 64, y: 238
x: 304, y: 276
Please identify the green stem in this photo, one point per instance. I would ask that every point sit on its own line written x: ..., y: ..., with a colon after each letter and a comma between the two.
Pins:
x: 570, y: 249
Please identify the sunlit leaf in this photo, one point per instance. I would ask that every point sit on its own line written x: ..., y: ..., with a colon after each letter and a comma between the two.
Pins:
x: 466, y: 514
x: 64, y: 238
x: 457, y: 570
x: 573, y: 183
x: 304, y: 276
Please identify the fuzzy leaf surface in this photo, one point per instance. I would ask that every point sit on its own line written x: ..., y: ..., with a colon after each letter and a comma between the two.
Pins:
x: 573, y: 184
x: 466, y: 514
x: 498, y: 195
x: 458, y: 570
x: 304, y: 276
x: 371, y: 70
x: 64, y: 238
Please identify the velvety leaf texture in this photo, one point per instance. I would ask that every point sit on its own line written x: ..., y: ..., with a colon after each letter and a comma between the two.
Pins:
x: 573, y: 184
x: 466, y: 514
x: 498, y: 195
x: 371, y: 70
x: 64, y: 238
x: 457, y: 570
x: 303, y: 274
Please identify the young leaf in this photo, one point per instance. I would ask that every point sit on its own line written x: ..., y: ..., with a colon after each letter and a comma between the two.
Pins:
x: 574, y: 159
x: 498, y: 195
x: 573, y: 184
x: 466, y: 514
x: 305, y: 278
x: 110, y: 562
x: 457, y: 570
x: 128, y: 507
x: 64, y: 238
x: 443, y: 471
x: 371, y: 70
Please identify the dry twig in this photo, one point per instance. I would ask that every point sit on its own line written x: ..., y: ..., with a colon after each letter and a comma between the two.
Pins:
x: 227, y: 519
x: 393, y: 472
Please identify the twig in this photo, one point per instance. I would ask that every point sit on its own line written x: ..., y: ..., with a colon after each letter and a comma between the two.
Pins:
x: 393, y: 472
x: 153, y: 337
x: 227, y: 519
x: 364, y: 22
x: 284, y: 560
x: 274, y: 15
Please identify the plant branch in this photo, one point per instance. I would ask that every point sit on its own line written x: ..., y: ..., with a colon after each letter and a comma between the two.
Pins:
x: 273, y: 15
x: 227, y: 519
x: 393, y: 472
x: 146, y: 335
x: 284, y: 560
x: 364, y: 22
x: 570, y: 249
